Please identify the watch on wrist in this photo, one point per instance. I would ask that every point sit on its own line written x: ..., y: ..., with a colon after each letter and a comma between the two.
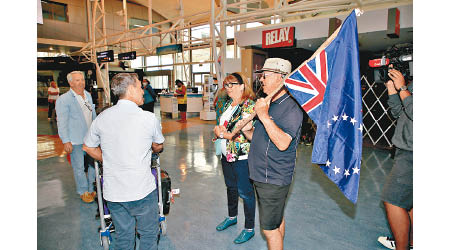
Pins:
x: 404, y: 87
x: 221, y: 135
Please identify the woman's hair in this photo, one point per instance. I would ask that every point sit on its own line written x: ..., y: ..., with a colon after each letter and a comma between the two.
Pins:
x: 121, y: 81
x: 248, y: 90
x: 56, y: 84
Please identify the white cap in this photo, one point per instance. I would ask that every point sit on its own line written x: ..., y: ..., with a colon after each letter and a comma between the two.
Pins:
x: 276, y: 65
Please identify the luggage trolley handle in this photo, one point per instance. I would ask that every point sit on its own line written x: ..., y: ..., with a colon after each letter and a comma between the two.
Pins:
x: 155, y: 160
x: 104, y: 233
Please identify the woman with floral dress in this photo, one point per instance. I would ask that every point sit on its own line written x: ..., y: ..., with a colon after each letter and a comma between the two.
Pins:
x: 234, y: 154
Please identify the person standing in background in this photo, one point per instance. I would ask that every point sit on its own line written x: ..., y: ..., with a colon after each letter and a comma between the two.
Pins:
x: 76, y: 111
x: 53, y: 94
x: 149, y: 96
x: 181, y: 94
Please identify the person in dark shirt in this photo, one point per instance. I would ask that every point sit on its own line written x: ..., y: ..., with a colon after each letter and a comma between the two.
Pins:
x: 397, y: 194
x: 274, y: 140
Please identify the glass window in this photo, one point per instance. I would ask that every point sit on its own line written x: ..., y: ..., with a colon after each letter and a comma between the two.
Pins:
x: 54, y: 11
x: 158, y: 82
x: 254, y: 24
x: 230, y: 51
x: 200, y: 32
x: 166, y: 60
x: 138, y: 62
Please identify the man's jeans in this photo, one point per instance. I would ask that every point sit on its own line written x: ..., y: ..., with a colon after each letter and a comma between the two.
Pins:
x: 83, y: 183
x: 142, y: 214
x: 238, y: 184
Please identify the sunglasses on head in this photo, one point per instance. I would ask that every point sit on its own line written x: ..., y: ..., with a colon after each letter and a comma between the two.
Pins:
x: 230, y: 84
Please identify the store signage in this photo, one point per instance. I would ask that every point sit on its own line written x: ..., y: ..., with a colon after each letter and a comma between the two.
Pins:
x: 281, y: 37
x: 127, y: 56
x: 105, y: 56
x: 169, y: 49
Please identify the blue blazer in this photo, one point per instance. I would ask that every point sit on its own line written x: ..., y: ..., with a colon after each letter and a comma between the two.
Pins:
x: 71, y: 122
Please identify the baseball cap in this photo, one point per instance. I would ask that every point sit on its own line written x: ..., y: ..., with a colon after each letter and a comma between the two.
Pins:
x: 276, y: 65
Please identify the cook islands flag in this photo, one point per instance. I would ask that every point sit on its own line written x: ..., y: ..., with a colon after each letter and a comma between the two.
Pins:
x: 328, y: 88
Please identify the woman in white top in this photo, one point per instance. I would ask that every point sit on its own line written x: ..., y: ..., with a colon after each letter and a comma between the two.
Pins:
x: 53, y: 94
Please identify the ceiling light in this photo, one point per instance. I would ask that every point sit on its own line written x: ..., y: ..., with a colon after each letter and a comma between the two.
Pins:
x: 51, y: 48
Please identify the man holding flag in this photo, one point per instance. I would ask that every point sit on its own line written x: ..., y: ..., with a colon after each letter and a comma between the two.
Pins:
x: 272, y: 155
x: 328, y: 88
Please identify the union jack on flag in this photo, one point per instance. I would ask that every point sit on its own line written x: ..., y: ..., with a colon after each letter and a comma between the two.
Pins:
x: 310, y: 80
x: 328, y: 88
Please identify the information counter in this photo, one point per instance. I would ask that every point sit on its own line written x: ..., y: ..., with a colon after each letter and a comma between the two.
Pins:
x: 169, y: 104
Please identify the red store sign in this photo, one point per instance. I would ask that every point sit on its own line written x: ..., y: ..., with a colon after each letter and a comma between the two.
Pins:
x: 281, y: 37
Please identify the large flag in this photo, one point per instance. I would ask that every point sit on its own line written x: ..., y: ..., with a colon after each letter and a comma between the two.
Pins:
x: 328, y: 87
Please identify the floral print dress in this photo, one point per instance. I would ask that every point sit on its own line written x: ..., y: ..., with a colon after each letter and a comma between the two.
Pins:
x: 238, y: 148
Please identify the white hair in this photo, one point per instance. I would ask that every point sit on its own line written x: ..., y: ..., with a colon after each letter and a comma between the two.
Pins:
x: 69, y: 76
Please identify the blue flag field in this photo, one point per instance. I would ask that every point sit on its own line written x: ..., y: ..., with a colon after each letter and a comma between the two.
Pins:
x: 328, y: 87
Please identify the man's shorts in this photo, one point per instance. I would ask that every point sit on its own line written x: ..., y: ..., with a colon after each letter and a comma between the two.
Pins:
x: 398, y: 188
x: 271, y: 202
x: 182, y: 107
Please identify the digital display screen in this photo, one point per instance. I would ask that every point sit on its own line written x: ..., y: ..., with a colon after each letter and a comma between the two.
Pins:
x: 105, y: 56
x: 127, y: 56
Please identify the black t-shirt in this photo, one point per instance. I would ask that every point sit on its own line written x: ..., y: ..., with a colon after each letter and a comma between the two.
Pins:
x: 266, y: 163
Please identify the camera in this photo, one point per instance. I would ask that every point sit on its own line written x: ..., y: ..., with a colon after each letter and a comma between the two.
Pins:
x: 401, y: 58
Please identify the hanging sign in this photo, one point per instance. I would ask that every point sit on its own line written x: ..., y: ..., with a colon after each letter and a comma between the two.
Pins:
x: 105, y: 56
x: 127, y: 56
x: 281, y: 37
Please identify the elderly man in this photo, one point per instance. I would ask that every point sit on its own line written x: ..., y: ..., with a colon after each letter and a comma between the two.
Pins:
x: 76, y: 111
x: 272, y: 156
x: 124, y: 137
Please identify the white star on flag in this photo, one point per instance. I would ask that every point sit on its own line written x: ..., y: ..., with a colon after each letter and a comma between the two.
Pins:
x: 328, y: 163
x: 344, y: 117
x: 360, y: 128
x: 356, y: 170
x: 335, y: 118
x: 336, y: 170
x: 347, y: 172
x: 353, y: 121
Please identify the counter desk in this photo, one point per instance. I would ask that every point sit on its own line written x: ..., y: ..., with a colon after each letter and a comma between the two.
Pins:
x: 169, y: 104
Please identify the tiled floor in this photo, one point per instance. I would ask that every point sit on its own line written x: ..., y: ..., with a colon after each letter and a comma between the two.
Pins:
x: 317, y: 215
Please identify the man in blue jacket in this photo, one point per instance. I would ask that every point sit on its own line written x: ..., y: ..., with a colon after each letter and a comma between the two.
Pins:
x: 76, y: 111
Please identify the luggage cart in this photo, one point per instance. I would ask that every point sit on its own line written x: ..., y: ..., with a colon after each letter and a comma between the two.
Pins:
x: 105, y: 233
x: 165, y: 193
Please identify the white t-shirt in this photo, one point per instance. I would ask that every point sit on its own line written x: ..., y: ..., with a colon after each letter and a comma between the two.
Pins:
x: 53, y: 97
x: 85, y: 106
x: 225, y: 117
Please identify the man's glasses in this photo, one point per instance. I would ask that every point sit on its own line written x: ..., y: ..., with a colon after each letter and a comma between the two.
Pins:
x: 264, y: 75
x: 230, y: 84
x: 88, y: 105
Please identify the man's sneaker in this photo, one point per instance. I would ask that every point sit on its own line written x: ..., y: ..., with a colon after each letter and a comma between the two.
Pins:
x: 387, y: 242
x: 86, y: 197
x: 226, y: 223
